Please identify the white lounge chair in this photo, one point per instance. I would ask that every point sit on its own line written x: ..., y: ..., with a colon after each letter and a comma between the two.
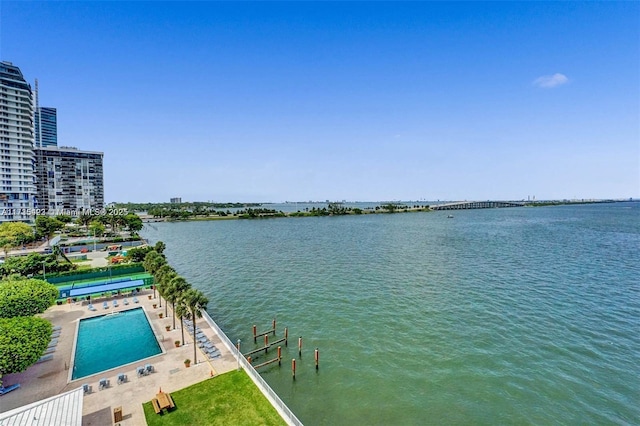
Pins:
x: 122, y: 378
x: 104, y: 383
x: 135, y: 300
x: 125, y: 301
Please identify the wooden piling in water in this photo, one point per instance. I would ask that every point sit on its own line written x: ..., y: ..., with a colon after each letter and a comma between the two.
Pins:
x: 255, y: 334
x: 266, y: 343
x: 316, y: 355
x: 273, y: 326
x: 300, y: 346
x: 293, y: 368
x: 279, y: 355
x: 286, y: 336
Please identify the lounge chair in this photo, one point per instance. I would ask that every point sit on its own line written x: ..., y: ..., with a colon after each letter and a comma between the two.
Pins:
x: 214, y: 354
x: 135, y: 300
x: 8, y: 389
x: 122, y: 378
x: 55, y: 334
x: 115, y: 303
x: 86, y: 388
x: 148, y: 368
x: 57, y: 328
x: 44, y: 358
x: 91, y: 307
x: 125, y: 301
x: 53, y: 342
x: 104, y: 383
x: 50, y: 350
x: 105, y: 305
x: 140, y: 371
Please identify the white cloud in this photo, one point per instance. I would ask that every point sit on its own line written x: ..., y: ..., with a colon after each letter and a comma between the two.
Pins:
x: 550, y: 81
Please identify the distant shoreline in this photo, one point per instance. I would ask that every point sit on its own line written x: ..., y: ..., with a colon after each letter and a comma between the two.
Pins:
x: 389, y: 208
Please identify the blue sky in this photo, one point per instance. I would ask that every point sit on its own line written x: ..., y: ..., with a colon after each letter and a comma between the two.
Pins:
x: 360, y: 101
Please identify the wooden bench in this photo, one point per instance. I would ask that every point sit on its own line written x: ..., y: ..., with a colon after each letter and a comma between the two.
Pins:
x: 156, y: 406
x: 171, y: 403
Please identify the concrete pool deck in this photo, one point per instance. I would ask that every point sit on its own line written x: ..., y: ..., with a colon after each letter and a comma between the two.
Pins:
x: 51, y: 377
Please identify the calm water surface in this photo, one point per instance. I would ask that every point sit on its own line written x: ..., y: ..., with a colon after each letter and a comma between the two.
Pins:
x: 502, y: 316
x: 109, y: 341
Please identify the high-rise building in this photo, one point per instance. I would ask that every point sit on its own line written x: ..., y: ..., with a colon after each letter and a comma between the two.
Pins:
x: 17, y: 183
x: 176, y: 200
x: 46, y: 125
x: 69, y: 180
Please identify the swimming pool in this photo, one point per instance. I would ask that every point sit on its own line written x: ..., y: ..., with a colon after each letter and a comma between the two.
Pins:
x: 112, y: 340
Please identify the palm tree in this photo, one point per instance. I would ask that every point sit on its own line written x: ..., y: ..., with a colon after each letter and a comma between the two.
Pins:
x: 152, y: 262
x: 177, y: 286
x: 163, y: 277
x: 181, y: 311
x: 195, y: 302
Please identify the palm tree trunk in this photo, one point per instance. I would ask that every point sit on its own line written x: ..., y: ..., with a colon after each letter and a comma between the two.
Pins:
x: 173, y: 308
x: 182, y: 329
x: 165, y: 311
x: 193, y: 320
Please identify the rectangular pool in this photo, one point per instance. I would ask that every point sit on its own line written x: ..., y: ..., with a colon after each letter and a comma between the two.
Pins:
x: 112, y: 340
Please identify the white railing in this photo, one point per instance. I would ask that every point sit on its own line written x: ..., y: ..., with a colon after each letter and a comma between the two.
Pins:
x: 273, y: 398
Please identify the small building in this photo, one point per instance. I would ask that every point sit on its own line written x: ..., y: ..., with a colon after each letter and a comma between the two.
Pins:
x: 64, y: 409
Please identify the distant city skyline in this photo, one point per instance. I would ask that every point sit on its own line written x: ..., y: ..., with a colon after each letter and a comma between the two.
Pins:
x: 274, y: 102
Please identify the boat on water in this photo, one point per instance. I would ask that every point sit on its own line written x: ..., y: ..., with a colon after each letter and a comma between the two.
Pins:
x: 450, y: 216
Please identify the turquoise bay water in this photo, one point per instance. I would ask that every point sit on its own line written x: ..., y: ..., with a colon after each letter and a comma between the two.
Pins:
x: 109, y: 341
x: 502, y: 316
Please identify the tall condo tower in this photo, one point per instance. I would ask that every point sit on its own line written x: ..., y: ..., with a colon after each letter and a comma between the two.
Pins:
x: 17, y: 159
x: 69, y: 180
x: 46, y: 124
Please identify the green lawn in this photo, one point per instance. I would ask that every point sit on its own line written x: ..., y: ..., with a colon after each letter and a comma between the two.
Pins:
x: 228, y: 399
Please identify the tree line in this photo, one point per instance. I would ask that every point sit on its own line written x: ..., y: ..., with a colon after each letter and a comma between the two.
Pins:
x: 186, y: 302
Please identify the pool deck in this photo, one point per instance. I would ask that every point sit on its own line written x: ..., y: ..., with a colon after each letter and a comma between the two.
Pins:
x: 51, y: 377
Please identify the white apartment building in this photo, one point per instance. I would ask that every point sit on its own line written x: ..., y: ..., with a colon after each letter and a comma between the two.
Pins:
x: 17, y: 160
x: 69, y: 180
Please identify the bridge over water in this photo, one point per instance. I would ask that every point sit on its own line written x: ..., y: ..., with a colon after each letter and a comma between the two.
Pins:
x: 466, y: 205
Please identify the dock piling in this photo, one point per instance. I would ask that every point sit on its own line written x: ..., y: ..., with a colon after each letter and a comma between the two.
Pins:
x: 293, y: 368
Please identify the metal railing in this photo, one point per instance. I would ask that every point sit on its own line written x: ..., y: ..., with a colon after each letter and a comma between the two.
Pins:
x: 269, y: 393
